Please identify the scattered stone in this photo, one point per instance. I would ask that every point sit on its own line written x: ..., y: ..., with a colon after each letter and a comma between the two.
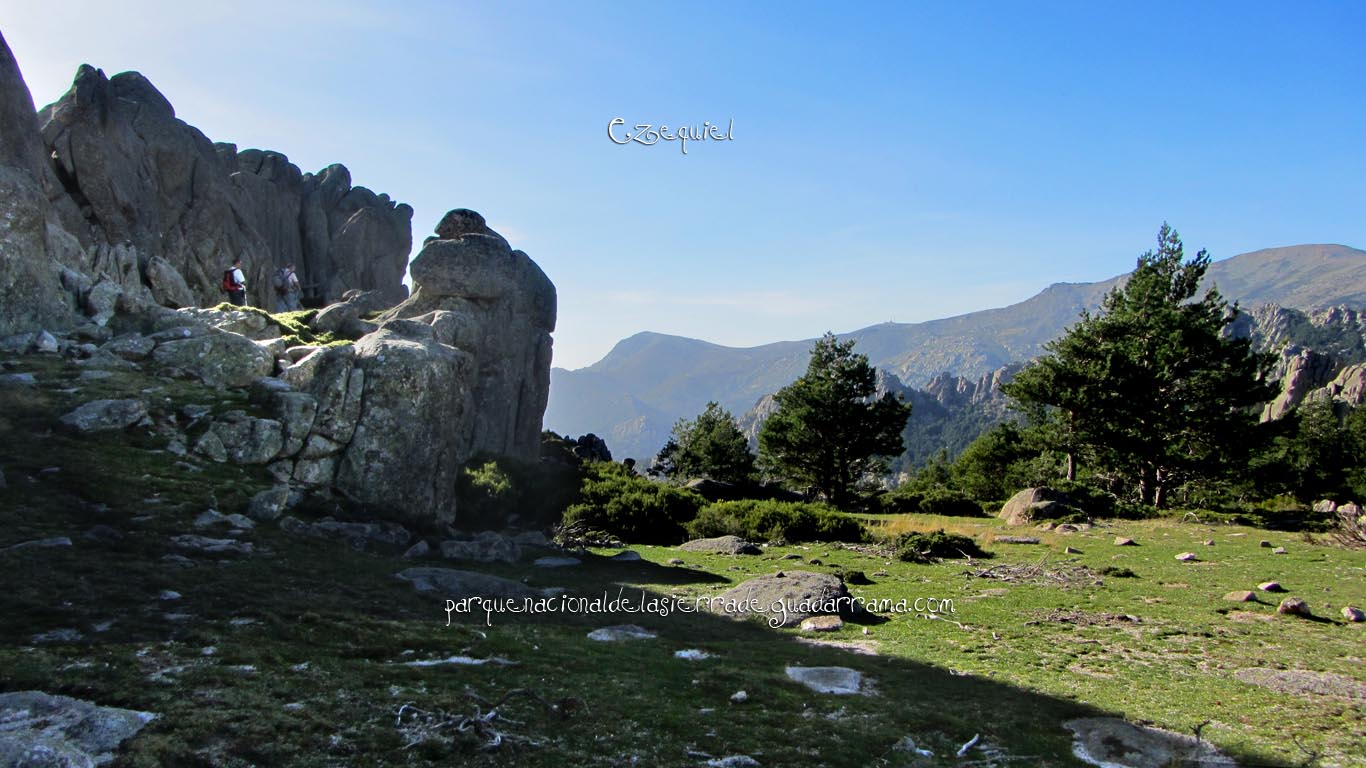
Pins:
x: 1123, y: 541
x: 57, y: 636
x: 1353, y: 614
x: 1187, y: 557
x: 209, y: 546
x: 49, y: 543
x: 1278, y: 551
x: 105, y: 415
x: 557, y: 562
x: 269, y: 504
x: 212, y: 517
x: 791, y: 556
x: 18, y: 380
x: 1265, y: 543
x: 46, y: 343
x: 1241, y: 596
x: 1071, y: 551
x: 677, y: 561
x: 454, y: 584
x: 626, y: 556
x: 801, y: 595
x: 485, y: 547
x: 168, y: 594
x: 621, y: 633
x: 1066, y: 528
x: 40, y: 729
x: 739, y: 697
x: 463, y: 661
x: 1294, y: 606
x: 692, y: 654
x: 1209, y: 542
x: 840, y: 681
x: 96, y: 375
x: 358, y: 535
x: 822, y: 624
x: 417, y: 551
x: 1271, y: 586
x: 1045, y: 527
x: 721, y: 545
x: 1110, y: 741
x: 1016, y: 539
x: 733, y: 761
x: 907, y: 744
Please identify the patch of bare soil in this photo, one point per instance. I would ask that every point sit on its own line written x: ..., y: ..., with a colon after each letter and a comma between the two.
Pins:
x: 1302, y: 681
x: 1048, y: 574
x: 1083, y: 618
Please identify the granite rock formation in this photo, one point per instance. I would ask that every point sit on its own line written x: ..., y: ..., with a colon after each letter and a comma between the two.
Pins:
x: 106, y: 195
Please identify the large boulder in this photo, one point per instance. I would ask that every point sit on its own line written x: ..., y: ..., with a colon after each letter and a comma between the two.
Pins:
x: 1031, y: 504
x: 785, y: 599
x: 413, y: 431
x: 42, y: 729
x: 105, y: 415
x: 496, y: 305
x: 216, y: 358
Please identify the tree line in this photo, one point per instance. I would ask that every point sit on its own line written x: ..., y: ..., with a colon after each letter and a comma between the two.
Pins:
x: 1149, y: 400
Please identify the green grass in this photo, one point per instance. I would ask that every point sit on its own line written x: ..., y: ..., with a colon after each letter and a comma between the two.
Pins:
x: 308, y: 637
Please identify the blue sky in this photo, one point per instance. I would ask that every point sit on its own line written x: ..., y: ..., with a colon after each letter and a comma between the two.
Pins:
x: 897, y: 161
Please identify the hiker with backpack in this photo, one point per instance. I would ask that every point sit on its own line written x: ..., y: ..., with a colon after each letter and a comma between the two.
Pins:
x: 235, y: 283
x: 287, y: 289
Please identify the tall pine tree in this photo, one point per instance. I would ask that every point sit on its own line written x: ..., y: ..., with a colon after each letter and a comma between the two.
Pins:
x: 1149, y: 389
x: 830, y: 430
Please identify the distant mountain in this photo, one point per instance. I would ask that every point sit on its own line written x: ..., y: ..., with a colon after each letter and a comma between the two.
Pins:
x: 633, y: 396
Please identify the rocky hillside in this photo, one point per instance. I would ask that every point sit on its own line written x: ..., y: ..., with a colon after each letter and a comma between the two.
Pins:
x: 107, y: 191
x: 648, y: 381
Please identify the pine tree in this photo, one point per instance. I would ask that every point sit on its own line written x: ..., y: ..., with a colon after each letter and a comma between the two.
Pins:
x: 710, y: 446
x: 830, y: 431
x: 1149, y: 389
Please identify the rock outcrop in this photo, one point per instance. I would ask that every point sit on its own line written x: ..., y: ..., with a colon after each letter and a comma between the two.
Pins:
x: 34, y: 246
x: 106, y: 196
x: 177, y: 203
x: 460, y: 368
x: 479, y: 295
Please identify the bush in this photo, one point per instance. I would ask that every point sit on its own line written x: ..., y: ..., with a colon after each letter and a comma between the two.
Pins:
x: 933, y: 500
x: 495, y: 491
x: 616, y: 501
x: 785, y: 521
x: 929, y: 547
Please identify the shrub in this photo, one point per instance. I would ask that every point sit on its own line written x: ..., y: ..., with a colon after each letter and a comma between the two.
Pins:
x: 932, y: 500
x: 494, y: 491
x: 616, y: 501
x: 776, y: 521
x: 929, y: 547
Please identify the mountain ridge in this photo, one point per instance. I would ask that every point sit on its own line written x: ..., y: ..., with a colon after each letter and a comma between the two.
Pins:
x: 673, y: 377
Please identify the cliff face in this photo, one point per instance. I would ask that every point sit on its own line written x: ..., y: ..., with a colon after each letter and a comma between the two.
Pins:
x: 128, y: 194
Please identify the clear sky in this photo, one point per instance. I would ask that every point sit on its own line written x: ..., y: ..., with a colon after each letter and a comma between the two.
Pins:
x: 891, y: 161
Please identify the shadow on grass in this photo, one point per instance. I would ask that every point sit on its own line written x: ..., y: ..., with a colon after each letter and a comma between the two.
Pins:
x: 332, y: 633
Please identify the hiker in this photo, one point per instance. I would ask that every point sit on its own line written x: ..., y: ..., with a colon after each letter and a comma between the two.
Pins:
x: 287, y: 289
x: 235, y: 283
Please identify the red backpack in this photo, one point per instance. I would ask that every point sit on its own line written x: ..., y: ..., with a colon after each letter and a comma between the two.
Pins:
x: 229, y: 284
